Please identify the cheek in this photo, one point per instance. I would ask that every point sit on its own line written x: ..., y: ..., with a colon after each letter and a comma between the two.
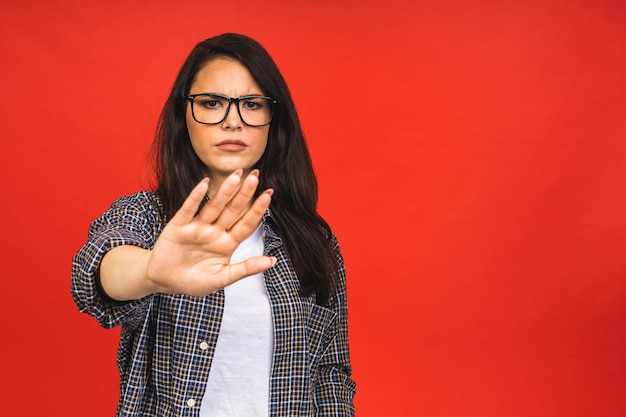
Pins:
x: 262, y: 142
x: 198, y: 134
x: 189, y: 122
x: 198, y: 140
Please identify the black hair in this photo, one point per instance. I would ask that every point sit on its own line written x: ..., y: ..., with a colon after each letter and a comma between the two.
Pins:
x: 285, y: 166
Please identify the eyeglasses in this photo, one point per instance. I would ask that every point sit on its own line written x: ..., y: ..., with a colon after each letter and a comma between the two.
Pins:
x: 212, y: 109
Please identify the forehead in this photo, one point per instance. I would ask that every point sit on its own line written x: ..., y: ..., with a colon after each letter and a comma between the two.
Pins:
x: 225, y: 76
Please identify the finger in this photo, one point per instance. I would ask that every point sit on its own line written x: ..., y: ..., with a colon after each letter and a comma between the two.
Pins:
x: 249, y: 222
x: 190, y: 206
x: 250, y: 266
x: 240, y: 202
x: 212, y: 210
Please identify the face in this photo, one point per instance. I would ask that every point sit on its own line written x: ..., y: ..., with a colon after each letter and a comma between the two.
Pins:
x: 231, y: 144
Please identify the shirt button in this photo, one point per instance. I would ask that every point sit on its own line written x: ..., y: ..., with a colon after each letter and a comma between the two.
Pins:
x: 204, y: 346
x: 191, y: 402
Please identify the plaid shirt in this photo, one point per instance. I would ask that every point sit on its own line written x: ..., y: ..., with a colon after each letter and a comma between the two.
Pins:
x: 167, y: 341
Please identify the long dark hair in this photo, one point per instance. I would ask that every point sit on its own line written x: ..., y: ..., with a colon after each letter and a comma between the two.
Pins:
x: 285, y: 165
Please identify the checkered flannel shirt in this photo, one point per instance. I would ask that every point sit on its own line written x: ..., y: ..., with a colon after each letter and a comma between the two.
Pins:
x: 167, y: 341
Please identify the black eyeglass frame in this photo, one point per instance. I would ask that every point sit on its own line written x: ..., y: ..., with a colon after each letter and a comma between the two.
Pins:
x: 231, y: 100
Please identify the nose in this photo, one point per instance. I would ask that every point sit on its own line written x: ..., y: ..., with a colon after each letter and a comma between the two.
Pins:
x: 233, y: 119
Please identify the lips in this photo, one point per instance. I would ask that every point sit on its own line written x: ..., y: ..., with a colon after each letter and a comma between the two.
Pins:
x: 232, y: 145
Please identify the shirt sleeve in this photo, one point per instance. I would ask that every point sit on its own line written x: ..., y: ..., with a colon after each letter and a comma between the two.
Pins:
x: 334, y: 390
x: 132, y: 220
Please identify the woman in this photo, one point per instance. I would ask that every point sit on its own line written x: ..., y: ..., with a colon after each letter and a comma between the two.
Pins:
x: 236, y: 198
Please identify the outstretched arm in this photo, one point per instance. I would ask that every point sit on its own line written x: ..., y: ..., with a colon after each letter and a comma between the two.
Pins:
x: 192, y: 254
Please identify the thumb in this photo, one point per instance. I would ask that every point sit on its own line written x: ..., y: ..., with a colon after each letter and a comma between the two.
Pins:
x: 250, y: 266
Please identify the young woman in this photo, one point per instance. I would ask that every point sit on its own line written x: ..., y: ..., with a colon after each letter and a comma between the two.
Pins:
x: 229, y: 286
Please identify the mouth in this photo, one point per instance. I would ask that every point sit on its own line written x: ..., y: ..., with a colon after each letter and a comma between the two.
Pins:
x: 232, y: 145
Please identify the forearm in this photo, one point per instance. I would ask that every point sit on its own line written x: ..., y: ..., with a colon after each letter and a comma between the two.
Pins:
x: 124, y: 273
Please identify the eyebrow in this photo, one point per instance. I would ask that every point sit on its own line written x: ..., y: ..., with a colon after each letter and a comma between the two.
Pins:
x: 224, y: 95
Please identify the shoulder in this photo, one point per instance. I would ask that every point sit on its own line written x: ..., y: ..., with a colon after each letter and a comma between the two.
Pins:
x: 144, y: 199
x: 141, y: 203
x: 140, y: 210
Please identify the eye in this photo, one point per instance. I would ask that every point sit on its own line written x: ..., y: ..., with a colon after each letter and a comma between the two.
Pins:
x: 209, y: 102
x: 252, y: 104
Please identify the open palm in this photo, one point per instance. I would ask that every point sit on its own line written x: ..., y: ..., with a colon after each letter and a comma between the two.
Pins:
x: 192, y: 254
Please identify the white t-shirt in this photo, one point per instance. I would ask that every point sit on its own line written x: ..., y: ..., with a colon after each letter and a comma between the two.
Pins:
x: 239, y: 379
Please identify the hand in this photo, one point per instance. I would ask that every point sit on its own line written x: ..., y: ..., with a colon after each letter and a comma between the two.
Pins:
x: 192, y: 254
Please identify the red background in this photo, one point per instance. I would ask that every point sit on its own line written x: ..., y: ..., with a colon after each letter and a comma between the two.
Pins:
x: 471, y: 158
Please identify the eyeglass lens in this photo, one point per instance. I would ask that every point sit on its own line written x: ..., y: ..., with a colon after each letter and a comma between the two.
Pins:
x: 212, y: 109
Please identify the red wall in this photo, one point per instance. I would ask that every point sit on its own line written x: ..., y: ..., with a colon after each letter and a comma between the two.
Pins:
x: 471, y: 158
